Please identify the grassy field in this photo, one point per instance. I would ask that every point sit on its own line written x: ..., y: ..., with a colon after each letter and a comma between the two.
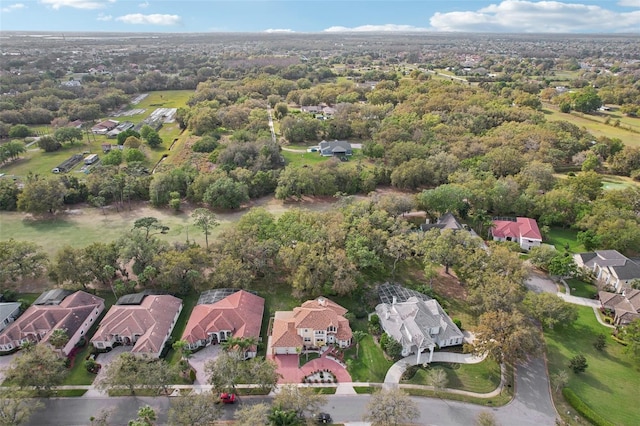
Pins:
x: 85, y: 226
x: 483, y: 377
x: 582, y: 289
x: 561, y: 238
x: 618, y: 182
x: 594, y: 124
x: 610, y: 383
x: 37, y: 161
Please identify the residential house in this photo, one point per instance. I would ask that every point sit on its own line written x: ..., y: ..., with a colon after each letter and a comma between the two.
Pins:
x: 418, y: 325
x: 56, y: 309
x: 335, y: 148
x: 146, y: 326
x: 311, y: 109
x: 237, y: 315
x: 610, y: 267
x: 313, y: 325
x: 626, y: 306
x: 103, y: 127
x: 521, y: 230
x: 9, y: 311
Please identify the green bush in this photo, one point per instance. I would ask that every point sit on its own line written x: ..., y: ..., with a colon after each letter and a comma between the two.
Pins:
x: 582, y: 408
x: 410, y: 372
x: 192, y: 375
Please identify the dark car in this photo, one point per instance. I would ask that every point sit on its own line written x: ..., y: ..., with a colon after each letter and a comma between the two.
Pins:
x: 227, y: 398
x: 323, y: 418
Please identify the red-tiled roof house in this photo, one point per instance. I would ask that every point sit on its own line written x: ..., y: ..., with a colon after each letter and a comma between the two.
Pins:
x: 237, y: 315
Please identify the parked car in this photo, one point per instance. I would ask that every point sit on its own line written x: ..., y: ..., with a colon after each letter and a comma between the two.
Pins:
x: 227, y: 398
x: 323, y: 418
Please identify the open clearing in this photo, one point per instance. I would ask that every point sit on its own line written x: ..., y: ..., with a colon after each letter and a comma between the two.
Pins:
x: 83, y: 226
x: 594, y: 125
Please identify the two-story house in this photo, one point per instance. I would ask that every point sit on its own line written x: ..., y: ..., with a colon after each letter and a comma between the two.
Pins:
x: 313, y: 325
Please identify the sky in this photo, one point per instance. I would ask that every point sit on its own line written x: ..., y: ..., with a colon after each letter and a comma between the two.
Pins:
x: 305, y: 16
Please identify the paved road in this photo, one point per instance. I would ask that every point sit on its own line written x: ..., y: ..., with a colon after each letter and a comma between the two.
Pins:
x: 531, y: 407
x: 540, y: 283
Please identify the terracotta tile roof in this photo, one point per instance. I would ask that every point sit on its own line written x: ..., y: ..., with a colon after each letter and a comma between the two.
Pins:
x: 240, y: 312
x: 41, y: 320
x: 523, y: 227
x: 152, y: 320
x: 284, y: 334
x: 317, y: 314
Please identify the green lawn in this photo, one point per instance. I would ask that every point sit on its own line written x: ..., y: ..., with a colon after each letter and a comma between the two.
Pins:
x: 296, y: 159
x: 371, y: 365
x: 78, y: 375
x: 582, y: 289
x: 561, y: 238
x: 611, y: 382
x: 188, y: 302
x: 483, y: 377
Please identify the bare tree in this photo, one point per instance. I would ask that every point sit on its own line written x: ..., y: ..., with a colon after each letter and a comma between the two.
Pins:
x: 391, y: 407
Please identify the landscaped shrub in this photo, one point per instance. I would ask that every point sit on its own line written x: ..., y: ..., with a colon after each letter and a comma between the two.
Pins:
x: 578, y: 364
x: 600, y: 342
x: 617, y: 339
x: 582, y: 408
x: 192, y: 375
x: 458, y: 323
x: 410, y: 372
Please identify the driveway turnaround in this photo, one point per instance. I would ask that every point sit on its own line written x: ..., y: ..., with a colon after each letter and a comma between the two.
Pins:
x: 395, y: 372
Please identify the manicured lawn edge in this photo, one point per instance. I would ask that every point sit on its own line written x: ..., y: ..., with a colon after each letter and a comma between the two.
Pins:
x: 584, y: 410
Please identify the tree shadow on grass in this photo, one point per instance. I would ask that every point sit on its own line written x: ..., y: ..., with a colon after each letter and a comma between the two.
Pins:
x: 47, y: 224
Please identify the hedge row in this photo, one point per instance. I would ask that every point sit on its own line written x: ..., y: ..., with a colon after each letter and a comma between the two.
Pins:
x: 584, y: 410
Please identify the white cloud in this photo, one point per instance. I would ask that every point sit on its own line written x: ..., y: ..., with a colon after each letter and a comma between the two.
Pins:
x: 103, y: 17
x: 629, y: 3
x: 12, y: 7
x: 376, y: 28
x: 279, y: 30
x: 541, y: 17
x: 77, y: 4
x: 144, y: 5
x: 153, y: 19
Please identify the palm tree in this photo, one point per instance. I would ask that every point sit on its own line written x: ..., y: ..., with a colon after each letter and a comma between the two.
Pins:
x: 59, y: 338
x: 239, y: 345
x: 358, y: 335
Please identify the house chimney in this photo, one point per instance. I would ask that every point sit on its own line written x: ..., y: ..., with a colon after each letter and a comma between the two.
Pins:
x: 322, y: 301
x: 394, y: 300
